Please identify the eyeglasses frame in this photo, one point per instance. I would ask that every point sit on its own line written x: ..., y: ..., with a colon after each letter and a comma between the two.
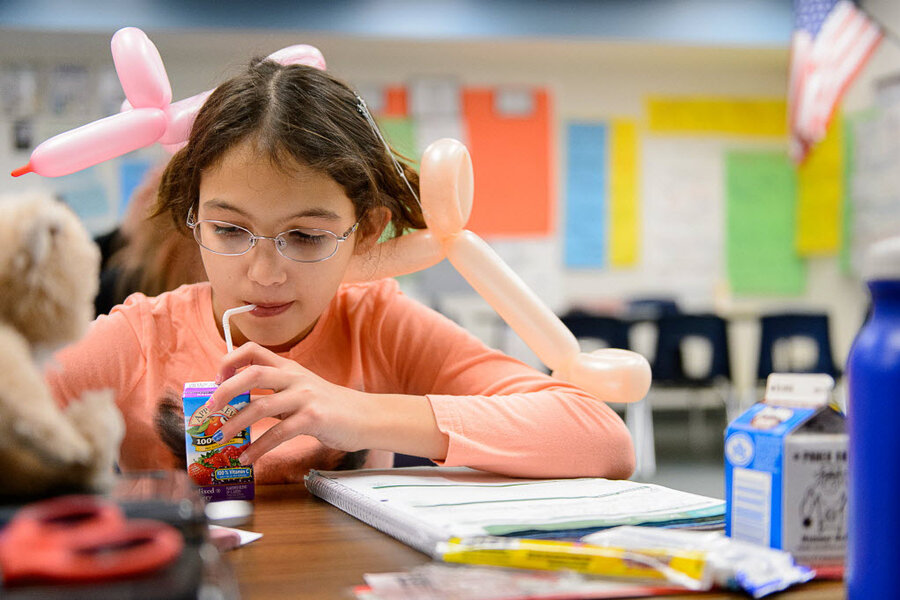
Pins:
x: 277, y: 239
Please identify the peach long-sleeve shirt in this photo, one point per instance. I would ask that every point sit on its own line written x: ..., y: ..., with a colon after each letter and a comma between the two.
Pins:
x: 499, y: 414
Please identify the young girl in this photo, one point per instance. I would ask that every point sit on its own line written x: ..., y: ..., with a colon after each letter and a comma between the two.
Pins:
x: 283, y: 180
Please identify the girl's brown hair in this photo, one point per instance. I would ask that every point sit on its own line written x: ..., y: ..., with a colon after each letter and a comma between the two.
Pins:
x: 293, y: 114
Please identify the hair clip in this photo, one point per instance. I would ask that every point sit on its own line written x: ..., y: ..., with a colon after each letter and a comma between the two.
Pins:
x: 364, y: 111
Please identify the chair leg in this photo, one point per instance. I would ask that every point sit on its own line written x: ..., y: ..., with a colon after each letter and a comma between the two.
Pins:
x: 639, y: 420
x: 697, y: 434
x: 732, y: 400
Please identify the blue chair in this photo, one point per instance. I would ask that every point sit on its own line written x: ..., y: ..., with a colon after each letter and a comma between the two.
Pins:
x: 778, y: 328
x: 642, y: 313
x: 610, y: 331
x: 675, y: 386
x: 668, y: 360
x: 407, y: 460
x: 651, y: 308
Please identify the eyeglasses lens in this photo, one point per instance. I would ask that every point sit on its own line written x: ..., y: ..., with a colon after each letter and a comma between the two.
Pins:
x: 302, y: 245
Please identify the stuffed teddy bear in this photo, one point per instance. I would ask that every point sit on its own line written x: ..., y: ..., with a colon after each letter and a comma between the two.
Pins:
x: 49, y: 273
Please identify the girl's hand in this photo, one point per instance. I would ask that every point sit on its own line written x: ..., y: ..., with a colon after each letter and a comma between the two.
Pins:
x: 304, y: 402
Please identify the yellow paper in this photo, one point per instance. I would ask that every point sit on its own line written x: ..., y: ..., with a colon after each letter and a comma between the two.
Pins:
x: 682, y: 567
x: 820, y: 195
x: 734, y: 116
x: 623, y: 193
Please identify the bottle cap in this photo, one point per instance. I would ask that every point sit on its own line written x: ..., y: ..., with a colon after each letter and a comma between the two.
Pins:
x: 882, y: 260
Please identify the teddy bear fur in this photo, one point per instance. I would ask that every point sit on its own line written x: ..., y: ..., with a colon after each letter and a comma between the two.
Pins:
x: 49, y: 273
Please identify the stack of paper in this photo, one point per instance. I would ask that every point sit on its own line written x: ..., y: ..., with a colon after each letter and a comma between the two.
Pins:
x: 421, y: 506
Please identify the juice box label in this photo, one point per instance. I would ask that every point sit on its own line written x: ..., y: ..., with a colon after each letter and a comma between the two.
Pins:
x: 212, y: 462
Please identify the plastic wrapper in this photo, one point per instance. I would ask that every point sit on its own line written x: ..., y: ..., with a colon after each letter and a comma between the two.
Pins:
x: 684, y: 568
x: 734, y: 564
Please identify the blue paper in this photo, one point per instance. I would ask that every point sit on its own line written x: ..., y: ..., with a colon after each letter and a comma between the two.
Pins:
x: 586, y: 195
x: 131, y: 174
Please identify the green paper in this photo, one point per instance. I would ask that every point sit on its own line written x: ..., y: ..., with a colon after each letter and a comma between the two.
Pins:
x: 401, y: 135
x: 761, y: 190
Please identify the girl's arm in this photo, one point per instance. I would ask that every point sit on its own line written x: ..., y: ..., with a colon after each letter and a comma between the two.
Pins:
x: 109, y: 356
x: 338, y: 416
x: 461, y: 402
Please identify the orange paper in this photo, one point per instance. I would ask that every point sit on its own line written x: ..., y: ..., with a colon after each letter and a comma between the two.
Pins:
x: 511, y: 161
x: 395, y: 102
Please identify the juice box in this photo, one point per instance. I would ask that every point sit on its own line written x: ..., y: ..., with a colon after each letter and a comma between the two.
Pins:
x: 212, y: 463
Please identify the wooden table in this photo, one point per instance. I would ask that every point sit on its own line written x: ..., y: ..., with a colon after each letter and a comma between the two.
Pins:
x: 313, y: 550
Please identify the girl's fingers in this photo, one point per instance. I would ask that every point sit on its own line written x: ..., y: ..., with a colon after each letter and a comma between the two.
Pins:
x: 263, y: 406
x: 245, y: 355
x: 246, y: 417
x: 254, y: 377
x: 281, y: 432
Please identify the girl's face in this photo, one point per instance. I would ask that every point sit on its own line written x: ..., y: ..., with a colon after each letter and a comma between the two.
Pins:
x: 245, y: 189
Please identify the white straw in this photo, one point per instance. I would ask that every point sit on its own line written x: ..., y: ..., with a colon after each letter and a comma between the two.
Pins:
x: 226, y: 327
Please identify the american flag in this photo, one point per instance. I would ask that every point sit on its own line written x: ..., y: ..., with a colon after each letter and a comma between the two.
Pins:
x: 831, y: 42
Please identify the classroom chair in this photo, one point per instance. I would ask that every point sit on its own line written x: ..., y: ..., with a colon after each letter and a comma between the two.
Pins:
x: 642, y: 313
x: 651, y: 307
x: 781, y: 333
x: 408, y: 460
x: 691, y: 361
x: 782, y: 341
x: 609, y: 331
x: 603, y: 331
x: 669, y: 360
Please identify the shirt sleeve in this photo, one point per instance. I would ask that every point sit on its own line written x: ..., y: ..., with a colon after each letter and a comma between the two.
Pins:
x: 500, y: 414
x: 109, y: 356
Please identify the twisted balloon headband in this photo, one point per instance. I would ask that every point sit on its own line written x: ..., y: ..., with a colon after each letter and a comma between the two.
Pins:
x: 148, y: 114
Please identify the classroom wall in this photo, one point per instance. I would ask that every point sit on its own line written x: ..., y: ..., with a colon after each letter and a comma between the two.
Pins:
x: 589, y: 80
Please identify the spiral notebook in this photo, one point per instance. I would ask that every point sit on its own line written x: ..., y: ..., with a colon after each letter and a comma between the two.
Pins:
x: 421, y: 506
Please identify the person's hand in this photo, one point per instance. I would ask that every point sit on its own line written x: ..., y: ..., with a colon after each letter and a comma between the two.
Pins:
x: 304, y: 402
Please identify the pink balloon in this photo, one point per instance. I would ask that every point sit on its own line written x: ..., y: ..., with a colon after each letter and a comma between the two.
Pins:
x: 446, y: 186
x: 408, y: 253
x: 173, y: 148
x: 140, y: 69
x: 610, y: 374
x: 181, y: 117
x: 513, y: 300
x: 96, y: 142
x: 182, y: 113
x: 147, y: 115
x: 299, y: 54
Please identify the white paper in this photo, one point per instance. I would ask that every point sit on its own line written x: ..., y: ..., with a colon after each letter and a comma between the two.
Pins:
x: 875, y: 181
x: 430, y: 128
x: 514, y: 102
x: 70, y: 91
x: 683, y: 198
x: 18, y: 90
x: 464, y: 502
x: 245, y: 536
x: 434, y: 97
x: 450, y: 582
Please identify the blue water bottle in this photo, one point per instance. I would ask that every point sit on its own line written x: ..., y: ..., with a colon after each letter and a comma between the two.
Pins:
x: 873, y: 418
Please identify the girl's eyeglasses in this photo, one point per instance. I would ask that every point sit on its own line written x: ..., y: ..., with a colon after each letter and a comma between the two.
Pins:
x: 303, y: 244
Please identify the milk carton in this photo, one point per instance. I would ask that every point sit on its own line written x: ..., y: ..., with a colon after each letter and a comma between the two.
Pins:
x: 786, y: 471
